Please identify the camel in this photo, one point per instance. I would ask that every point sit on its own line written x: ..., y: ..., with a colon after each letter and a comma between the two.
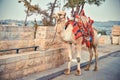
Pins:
x: 67, y: 36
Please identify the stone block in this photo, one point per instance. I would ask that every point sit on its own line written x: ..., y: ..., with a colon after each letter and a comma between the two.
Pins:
x: 43, y: 67
x: 119, y: 40
x: 37, y: 61
x: 28, y: 71
x: 12, y: 75
x: 26, y: 35
x: 26, y: 64
x: 10, y: 67
x: 37, y: 69
x: 16, y: 35
x: 47, y: 43
x: 2, y: 61
x: 28, y: 29
x: 115, y: 40
x: 4, y: 45
x: 45, y: 32
x: 45, y: 28
x: 42, y: 60
x: 30, y: 62
x: 2, y: 69
x: 20, y: 65
x: 37, y: 55
x: 5, y: 76
x: 1, y: 28
x: 116, y: 30
x: 105, y: 39
x: 19, y: 74
x: 31, y: 56
x: 31, y: 42
x: 16, y: 28
x: 12, y: 59
x: 10, y: 44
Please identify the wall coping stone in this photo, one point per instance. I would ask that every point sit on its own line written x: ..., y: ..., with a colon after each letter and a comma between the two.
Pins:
x: 5, y: 59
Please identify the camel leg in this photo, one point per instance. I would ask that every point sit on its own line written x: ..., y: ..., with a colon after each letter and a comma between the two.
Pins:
x: 78, y: 49
x: 90, y: 59
x: 96, y: 58
x: 67, y: 71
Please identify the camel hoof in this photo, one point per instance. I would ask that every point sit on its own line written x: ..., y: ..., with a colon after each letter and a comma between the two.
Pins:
x: 67, y: 72
x: 95, y: 69
x: 78, y: 73
x: 86, y: 69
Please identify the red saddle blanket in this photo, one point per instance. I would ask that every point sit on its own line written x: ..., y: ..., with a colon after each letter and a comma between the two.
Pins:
x: 80, y: 31
x: 76, y: 30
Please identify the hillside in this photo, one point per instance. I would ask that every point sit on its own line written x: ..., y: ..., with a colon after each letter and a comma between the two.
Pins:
x: 97, y: 24
x: 105, y: 25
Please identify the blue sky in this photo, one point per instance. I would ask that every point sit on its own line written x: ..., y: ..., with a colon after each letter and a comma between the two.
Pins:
x: 109, y: 10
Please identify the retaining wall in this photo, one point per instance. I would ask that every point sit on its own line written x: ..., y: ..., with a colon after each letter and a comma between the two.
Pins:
x: 19, y: 65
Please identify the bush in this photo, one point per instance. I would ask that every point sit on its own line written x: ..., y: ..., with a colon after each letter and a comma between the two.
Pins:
x: 103, y: 32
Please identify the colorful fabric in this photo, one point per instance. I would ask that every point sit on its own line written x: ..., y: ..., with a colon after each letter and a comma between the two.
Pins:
x: 76, y: 31
x: 84, y: 30
x: 82, y: 13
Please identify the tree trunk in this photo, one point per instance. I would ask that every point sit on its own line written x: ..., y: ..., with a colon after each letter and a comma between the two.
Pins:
x: 52, y: 10
x: 77, y: 7
x: 82, y: 7
x: 25, y: 22
x: 72, y: 11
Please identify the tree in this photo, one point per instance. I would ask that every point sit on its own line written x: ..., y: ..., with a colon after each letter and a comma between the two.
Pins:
x: 79, y: 4
x: 32, y: 9
x: 46, y: 14
x: 48, y: 20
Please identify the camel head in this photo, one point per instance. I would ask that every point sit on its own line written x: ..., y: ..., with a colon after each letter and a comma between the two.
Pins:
x: 59, y: 16
x: 60, y: 20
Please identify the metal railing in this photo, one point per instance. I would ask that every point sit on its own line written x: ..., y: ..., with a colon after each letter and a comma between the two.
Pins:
x: 17, y: 49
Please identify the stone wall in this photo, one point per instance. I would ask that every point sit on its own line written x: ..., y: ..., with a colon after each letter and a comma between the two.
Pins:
x: 19, y: 65
x: 105, y: 39
x: 116, y: 34
x: 46, y: 38
x: 16, y: 33
x: 16, y: 37
x: 19, y: 37
x: 14, y: 66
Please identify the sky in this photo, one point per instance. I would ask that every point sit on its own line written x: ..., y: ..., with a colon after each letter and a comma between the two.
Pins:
x: 109, y: 10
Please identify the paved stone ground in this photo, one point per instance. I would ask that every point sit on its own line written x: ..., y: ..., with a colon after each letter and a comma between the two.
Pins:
x: 102, y: 50
x: 109, y: 69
